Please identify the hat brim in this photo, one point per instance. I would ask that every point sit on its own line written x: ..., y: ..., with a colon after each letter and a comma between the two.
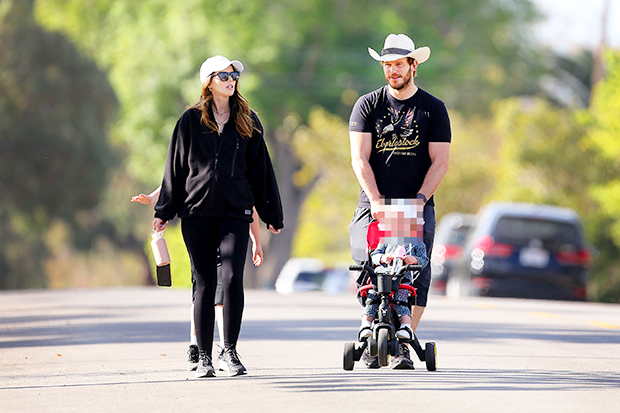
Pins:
x: 420, y: 54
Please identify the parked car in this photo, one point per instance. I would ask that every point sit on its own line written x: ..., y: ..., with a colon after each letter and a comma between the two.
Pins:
x: 450, y: 236
x: 526, y: 251
x: 309, y: 274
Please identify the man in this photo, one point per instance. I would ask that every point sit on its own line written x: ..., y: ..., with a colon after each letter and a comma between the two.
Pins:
x: 400, y: 144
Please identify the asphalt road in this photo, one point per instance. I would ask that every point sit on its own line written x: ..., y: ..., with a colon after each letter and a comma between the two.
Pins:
x: 121, y: 350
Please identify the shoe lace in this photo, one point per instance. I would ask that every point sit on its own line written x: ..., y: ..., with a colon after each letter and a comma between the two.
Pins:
x: 204, y: 360
x: 220, y: 349
x: 404, y: 351
x: 233, y: 355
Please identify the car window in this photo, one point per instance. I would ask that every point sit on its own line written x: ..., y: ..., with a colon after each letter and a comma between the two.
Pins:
x: 519, y: 231
x: 313, y: 277
x: 457, y: 235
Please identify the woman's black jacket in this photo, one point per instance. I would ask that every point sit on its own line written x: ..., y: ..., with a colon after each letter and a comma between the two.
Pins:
x: 213, y: 175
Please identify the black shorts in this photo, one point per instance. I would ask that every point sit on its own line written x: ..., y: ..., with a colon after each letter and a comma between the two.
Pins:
x: 357, y: 235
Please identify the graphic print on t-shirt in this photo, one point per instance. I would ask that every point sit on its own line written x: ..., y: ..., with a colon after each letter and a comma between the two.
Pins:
x: 398, y: 132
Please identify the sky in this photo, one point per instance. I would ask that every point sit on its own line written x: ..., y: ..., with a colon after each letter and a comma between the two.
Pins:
x: 575, y: 24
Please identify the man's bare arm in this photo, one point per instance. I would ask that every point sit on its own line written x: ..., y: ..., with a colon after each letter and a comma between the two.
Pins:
x: 361, y: 147
x: 439, y: 153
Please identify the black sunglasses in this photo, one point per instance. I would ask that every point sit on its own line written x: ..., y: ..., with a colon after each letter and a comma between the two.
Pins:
x: 225, y: 75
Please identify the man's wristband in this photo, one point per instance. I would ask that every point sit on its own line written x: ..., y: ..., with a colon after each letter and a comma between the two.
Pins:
x: 423, y: 197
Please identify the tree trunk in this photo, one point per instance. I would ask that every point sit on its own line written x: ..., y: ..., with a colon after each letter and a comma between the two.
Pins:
x: 277, y: 248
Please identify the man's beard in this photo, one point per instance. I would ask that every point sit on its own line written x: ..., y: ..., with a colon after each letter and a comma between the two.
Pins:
x: 405, y: 83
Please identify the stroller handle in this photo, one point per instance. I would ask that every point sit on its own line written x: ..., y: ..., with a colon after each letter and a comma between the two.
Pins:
x: 409, y: 267
x: 402, y: 270
x: 361, y: 267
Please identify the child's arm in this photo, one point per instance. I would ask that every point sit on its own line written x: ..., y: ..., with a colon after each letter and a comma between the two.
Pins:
x: 410, y: 260
x: 378, y: 256
x: 150, y: 199
x: 257, y: 249
x: 420, y: 257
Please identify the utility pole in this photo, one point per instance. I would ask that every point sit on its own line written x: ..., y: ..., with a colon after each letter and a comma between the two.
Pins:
x: 598, y: 65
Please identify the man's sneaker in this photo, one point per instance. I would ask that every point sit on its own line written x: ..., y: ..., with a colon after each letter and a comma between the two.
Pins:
x: 370, y: 361
x: 404, y: 333
x: 403, y: 360
x: 205, y: 367
x: 364, y: 332
x: 230, y: 362
x: 192, y: 357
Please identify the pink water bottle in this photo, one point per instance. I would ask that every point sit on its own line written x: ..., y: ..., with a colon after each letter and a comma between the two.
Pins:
x: 160, y: 249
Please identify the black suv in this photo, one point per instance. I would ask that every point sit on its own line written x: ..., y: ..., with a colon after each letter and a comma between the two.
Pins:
x: 525, y: 251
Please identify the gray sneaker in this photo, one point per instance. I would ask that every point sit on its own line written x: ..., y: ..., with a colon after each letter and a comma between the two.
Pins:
x: 230, y: 362
x: 403, y: 360
x: 370, y: 361
x: 205, y: 367
x: 192, y: 357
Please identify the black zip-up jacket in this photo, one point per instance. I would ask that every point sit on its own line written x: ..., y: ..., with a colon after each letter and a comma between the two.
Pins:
x: 213, y: 175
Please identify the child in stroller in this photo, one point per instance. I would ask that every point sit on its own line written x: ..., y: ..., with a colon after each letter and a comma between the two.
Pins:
x: 395, y: 250
x: 387, y: 259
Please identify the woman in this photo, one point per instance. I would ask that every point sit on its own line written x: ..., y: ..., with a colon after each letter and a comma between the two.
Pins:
x: 217, y: 169
x: 257, y: 259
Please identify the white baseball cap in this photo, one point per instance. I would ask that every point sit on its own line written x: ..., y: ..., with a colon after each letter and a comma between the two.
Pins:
x: 215, y: 64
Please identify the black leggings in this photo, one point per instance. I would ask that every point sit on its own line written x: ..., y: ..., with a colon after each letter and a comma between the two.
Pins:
x: 203, y: 236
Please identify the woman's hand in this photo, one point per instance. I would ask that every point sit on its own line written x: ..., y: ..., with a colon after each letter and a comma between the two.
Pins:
x: 273, y: 230
x: 143, y: 199
x: 159, y: 224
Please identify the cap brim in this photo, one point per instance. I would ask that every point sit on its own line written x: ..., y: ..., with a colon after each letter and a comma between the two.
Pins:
x: 421, y: 55
x: 237, y: 65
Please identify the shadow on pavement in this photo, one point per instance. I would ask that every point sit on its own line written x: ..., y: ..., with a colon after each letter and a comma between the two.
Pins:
x: 448, y: 380
x: 77, y: 330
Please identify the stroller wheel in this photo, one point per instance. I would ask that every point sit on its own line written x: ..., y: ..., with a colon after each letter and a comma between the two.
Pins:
x: 383, y: 347
x: 431, y: 356
x: 348, y: 361
x: 372, y: 346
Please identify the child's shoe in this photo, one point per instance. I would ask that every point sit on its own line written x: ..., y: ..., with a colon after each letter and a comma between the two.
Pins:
x: 364, y: 332
x: 405, y: 332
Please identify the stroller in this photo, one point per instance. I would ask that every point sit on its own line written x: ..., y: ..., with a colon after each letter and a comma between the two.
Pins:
x: 383, y: 342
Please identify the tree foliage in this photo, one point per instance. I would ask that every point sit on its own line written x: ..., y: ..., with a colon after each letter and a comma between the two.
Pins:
x: 605, y: 190
x: 567, y: 157
x: 55, y: 105
x: 312, y: 53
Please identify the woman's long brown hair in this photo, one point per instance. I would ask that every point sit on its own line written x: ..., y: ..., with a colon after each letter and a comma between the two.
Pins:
x: 243, y: 118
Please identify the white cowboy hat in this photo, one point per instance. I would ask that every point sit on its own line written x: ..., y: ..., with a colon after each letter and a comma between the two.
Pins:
x: 398, y: 46
x: 215, y: 64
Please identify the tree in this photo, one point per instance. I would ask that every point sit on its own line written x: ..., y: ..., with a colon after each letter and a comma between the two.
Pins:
x: 298, y: 57
x: 558, y: 156
x: 605, y: 189
x: 55, y: 106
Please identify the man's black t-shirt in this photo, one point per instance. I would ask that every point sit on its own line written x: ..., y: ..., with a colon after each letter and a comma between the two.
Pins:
x: 401, y: 131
